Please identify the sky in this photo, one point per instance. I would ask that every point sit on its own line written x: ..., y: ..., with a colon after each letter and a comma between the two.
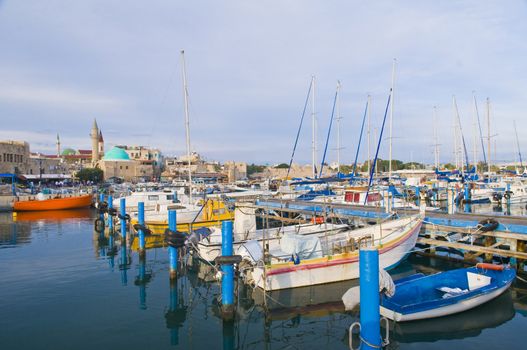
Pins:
x: 249, y: 65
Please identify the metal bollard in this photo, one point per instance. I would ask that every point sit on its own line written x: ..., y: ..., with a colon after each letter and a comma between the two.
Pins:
x: 172, y: 251
x: 369, y: 298
x: 141, y: 221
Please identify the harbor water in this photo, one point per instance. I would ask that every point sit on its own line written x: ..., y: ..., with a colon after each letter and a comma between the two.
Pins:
x: 64, y: 286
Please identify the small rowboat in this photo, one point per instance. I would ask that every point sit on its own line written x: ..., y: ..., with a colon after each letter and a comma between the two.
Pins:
x: 60, y: 203
x: 420, y: 297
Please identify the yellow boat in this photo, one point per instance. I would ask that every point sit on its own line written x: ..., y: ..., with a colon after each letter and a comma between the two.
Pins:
x: 213, y: 214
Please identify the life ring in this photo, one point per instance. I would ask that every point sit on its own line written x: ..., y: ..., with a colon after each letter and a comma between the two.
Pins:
x: 497, y: 196
x: 487, y: 225
x: 487, y: 266
x: 507, y: 195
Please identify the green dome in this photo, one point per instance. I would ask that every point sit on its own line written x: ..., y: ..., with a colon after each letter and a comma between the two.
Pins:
x: 116, y: 153
x: 69, y: 152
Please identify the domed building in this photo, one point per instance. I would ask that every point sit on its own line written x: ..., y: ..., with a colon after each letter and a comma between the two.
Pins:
x: 117, y: 163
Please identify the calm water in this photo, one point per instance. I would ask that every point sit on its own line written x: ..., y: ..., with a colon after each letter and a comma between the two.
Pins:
x: 64, y: 288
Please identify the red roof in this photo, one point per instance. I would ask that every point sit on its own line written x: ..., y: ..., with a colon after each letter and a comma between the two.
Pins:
x: 85, y: 151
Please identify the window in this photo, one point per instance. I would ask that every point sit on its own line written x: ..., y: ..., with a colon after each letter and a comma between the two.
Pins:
x: 127, y: 167
x: 121, y: 167
x: 153, y: 197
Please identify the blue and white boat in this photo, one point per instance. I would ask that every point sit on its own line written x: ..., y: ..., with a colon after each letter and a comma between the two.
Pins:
x: 420, y: 297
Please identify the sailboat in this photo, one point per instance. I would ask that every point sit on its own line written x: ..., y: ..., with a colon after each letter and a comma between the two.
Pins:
x: 199, y: 213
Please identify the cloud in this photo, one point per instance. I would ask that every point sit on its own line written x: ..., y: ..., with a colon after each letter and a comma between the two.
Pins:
x: 249, y: 65
x: 62, y: 98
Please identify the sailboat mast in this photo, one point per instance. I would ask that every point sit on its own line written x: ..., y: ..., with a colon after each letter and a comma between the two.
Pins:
x: 338, y: 126
x: 463, y: 151
x: 391, y: 120
x: 488, y: 132
x: 474, y: 140
x: 455, y: 135
x: 187, y: 122
x: 314, y: 130
x: 369, y: 132
x: 518, y: 143
x: 436, y: 145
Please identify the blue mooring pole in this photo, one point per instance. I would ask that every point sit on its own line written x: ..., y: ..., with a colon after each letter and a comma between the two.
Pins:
x: 417, y: 195
x: 467, y: 193
x: 141, y: 221
x: 110, y: 217
x: 101, y: 215
x: 122, y: 209
x: 172, y: 251
x: 369, y: 298
x: 227, y: 280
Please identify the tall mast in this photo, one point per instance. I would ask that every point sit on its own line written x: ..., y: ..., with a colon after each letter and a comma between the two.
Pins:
x: 187, y: 122
x: 391, y: 120
x: 369, y: 132
x: 314, y: 130
x: 488, y: 133
x: 455, y: 135
x: 518, y: 144
x: 474, y: 141
x: 338, y: 126
x: 479, y: 127
x: 436, y: 145
x: 463, y: 151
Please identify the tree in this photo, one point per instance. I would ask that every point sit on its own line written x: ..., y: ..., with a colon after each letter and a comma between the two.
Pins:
x: 253, y: 168
x: 282, y: 166
x: 90, y: 174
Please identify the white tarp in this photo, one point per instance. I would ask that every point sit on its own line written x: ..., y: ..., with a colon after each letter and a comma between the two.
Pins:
x: 250, y: 250
x: 303, y: 246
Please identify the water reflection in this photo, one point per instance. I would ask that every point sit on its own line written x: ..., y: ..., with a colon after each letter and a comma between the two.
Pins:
x: 141, y: 280
x: 464, y: 325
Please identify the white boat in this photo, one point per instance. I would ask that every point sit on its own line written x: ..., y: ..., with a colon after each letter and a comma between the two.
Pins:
x: 247, y: 240
x: 334, y: 258
x: 153, y: 200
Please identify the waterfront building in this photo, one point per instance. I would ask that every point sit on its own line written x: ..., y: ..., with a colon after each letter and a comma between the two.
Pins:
x: 117, y: 163
x: 14, y: 157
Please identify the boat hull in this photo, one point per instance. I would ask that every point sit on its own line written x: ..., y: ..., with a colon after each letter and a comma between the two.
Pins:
x: 461, y: 306
x: 334, y: 268
x: 54, y: 204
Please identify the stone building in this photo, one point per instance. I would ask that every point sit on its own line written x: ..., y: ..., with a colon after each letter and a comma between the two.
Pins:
x: 14, y: 157
x: 117, y: 163
x: 235, y: 171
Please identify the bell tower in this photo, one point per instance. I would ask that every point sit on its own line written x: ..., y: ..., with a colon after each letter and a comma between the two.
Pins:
x: 94, y: 142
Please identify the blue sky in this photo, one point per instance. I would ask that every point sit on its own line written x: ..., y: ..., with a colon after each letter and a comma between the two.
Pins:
x: 249, y: 64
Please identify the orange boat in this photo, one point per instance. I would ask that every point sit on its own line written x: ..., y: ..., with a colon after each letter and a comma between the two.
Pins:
x: 53, y: 203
